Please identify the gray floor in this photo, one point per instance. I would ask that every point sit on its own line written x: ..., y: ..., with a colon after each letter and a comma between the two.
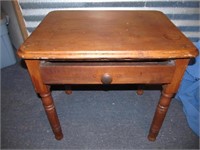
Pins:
x: 93, y: 117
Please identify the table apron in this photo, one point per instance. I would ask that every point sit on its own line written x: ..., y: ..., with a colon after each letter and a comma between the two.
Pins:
x: 120, y: 74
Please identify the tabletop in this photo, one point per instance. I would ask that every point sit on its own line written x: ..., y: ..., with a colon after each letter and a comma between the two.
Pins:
x: 102, y: 35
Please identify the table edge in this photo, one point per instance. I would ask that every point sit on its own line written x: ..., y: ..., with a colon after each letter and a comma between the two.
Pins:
x: 100, y: 54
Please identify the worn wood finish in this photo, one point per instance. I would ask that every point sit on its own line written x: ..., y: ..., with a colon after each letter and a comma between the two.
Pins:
x: 100, y: 35
x: 106, y: 47
x: 92, y: 73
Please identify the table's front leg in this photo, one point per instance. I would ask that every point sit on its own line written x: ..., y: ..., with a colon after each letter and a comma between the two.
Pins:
x: 167, y: 93
x: 47, y: 100
x: 160, y: 114
x: 51, y: 114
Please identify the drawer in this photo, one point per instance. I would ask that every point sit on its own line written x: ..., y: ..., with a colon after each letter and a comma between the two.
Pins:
x: 107, y: 73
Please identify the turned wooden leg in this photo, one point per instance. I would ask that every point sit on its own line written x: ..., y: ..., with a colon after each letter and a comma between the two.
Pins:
x: 165, y: 99
x: 47, y: 100
x: 159, y: 116
x: 140, y: 90
x: 51, y: 114
x: 68, y: 89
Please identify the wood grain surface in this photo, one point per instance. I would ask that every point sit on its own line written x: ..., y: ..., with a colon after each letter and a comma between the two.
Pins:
x: 106, y: 35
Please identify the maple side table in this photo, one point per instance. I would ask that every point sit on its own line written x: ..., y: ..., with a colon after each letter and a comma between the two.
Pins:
x: 106, y: 47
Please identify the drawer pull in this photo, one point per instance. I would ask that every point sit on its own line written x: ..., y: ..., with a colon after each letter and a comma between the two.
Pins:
x: 106, y: 79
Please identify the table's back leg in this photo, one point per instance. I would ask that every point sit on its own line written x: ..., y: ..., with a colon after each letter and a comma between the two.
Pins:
x: 168, y: 91
x: 68, y: 89
x: 140, y: 90
x: 47, y: 100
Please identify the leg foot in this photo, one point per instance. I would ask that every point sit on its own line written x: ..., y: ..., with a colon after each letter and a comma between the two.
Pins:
x: 151, y: 138
x: 59, y: 137
x: 68, y: 92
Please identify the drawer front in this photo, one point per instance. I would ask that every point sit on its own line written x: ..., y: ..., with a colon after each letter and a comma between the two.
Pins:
x: 106, y: 73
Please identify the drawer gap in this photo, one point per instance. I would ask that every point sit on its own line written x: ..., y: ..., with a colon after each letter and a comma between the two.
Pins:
x: 139, y: 63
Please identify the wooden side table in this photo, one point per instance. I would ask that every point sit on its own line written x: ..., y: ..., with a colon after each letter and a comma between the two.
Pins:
x: 106, y: 47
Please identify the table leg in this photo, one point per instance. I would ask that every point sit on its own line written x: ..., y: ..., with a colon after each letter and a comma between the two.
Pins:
x: 140, y: 90
x: 68, y: 89
x: 159, y: 116
x: 47, y: 100
x: 166, y: 96
x: 51, y: 114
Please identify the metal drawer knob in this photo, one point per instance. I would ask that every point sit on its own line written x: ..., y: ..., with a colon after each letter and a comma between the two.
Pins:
x: 106, y: 79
